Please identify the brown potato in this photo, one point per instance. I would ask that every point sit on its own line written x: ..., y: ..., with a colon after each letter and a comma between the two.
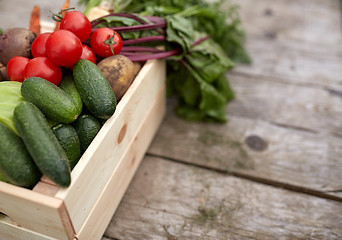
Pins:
x: 120, y: 73
x: 137, y: 67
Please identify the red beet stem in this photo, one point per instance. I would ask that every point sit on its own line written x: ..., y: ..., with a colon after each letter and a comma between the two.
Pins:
x: 139, y: 49
x: 145, y: 57
x: 143, y: 39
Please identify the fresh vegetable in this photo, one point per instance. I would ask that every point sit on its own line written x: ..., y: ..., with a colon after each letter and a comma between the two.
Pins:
x: 63, y: 48
x: 77, y: 23
x: 16, y: 164
x: 15, y: 68
x: 88, y: 54
x: 87, y: 128
x: 38, y: 46
x: 94, y: 89
x: 42, y: 144
x: 202, y: 41
x: 56, y: 104
x: 68, y: 138
x: 137, y: 67
x: 105, y: 42
x: 10, y: 97
x: 68, y: 85
x: 15, y: 42
x: 119, y: 71
x: 43, y: 67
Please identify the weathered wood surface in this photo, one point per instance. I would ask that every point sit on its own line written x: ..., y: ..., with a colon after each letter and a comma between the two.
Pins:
x: 313, y: 24
x: 284, y: 125
x: 169, y: 200
x: 257, y: 149
x: 226, y: 181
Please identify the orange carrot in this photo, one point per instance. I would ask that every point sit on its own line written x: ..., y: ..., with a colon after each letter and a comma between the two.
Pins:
x: 35, y: 20
x: 65, y: 5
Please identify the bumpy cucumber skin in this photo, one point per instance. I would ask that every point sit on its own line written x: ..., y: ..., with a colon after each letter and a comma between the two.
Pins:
x: 16, y: 164
x: 55, y: 104
x: 86, y: 127
x: 68, y: 138
x: 42, y: 144
x: 68, y: 85
x: 95, y: 91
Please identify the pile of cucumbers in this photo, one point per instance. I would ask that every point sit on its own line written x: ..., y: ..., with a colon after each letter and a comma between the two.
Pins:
x: 55, y: 124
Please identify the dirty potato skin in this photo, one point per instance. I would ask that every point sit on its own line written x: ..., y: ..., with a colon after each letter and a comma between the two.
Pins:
x: 119, y: 71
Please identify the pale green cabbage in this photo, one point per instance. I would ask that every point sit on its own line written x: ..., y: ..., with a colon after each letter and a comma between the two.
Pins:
x: 10, y: 97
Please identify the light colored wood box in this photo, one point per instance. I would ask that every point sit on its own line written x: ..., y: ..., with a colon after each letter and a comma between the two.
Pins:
x: 100, y: 178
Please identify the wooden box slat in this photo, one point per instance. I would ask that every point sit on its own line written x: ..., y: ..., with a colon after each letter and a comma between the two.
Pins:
x: 100, y: 178
x: 121, y: 178
x: 105, y: 167
x: 11, y: 230
x: 105, y: 150
x: 37, y: 212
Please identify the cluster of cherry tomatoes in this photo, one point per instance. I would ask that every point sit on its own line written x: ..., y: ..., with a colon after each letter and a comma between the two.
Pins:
x: 63, y: 48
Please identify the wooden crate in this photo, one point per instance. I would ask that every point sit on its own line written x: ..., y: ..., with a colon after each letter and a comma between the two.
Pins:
x: 100, y: 178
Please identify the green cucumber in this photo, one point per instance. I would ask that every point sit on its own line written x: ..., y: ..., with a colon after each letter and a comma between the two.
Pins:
x: 55, y: 104
x: 68, y: 85
x: 68, y: 138
x: 42, y: 144
x: 96, y: 93
x: 16, y: 164
x: 87, y: 128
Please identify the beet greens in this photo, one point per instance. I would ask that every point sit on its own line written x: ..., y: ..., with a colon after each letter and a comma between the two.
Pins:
x: 199, y: 41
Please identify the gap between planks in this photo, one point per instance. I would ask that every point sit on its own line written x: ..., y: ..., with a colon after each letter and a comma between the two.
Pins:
x: 256, y: 179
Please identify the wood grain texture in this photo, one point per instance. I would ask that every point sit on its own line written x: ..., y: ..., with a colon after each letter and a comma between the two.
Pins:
x: 312, y: 23
x: 102, y: 212
x: 46, y: 189
x: 34, y: 211
x: 288, y: 103
x: 257, y: 148
x: 11, y: 230
x: 294, y: 64
x: 283, y: 129
x: 314, y: 109
x: 169, y: 200
x: 105, y: 151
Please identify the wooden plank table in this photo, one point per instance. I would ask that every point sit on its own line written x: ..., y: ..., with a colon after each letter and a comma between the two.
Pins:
x: 274, y: 170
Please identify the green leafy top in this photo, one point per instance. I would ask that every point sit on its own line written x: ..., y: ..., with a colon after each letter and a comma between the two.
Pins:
x: 211, y: 38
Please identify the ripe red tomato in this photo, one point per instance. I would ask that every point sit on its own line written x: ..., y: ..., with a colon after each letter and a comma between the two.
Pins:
x: 63, y: 48
x: 43, y: 67
x: 88, y: 54
x: 105, y: 42
x: 77, y: 23
x: 15, y: 68
x: 38, y: 46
